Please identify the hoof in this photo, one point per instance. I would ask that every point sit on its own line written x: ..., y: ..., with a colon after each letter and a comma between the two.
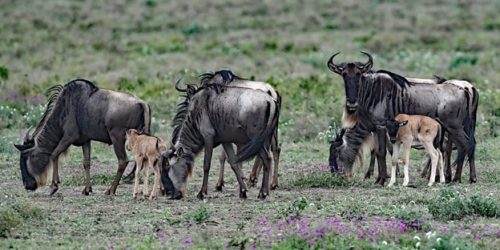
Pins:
x: 252, y: 181
x: 152, y: 197
x: 200, y: 196
x: 243, y: 194
x: 109, y: 192
x: 53, y: 190
x: 219, y: 187
x: 262, y: 196
x: 274, y: 186
x: 472, y: 180
x: 367, y: 176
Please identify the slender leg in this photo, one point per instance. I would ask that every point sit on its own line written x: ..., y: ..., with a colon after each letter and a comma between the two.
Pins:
x: 86, y: 165
x: 220, y: 182
x: 62, y: 146
x: 252, y: 179
x: 394, y: 163
x: 381, y: 153
x: 276, y: 159
x: 441, y: 170
x: 118, y: 140
x: 433, y: 154
x: 406, y: 162
x: 472, y: 164
x: 206, y: 168
x: 266, y: 160
x: 228, y: 147
x: 371, y: 167
x: 447, y: 159
x: 146, y: 169
x: 156, y: 182
x: 137, y: 175
x: 55, y: 175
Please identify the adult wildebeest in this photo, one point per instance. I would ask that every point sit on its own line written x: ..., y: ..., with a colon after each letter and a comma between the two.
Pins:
x: 225, y: 77
x: 78, y: 113
x: 221, y: 114
x: 373, y: 97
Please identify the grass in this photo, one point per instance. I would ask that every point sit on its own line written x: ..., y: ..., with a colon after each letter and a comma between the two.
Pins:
x: 143, y: 47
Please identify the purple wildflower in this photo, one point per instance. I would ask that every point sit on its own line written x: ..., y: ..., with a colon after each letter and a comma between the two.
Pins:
x: 187, y: 241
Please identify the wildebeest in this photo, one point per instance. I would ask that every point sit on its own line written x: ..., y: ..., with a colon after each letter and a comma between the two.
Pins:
x: 225, y: 77
x: 147, y: 152
x: 403, y: 130
x: 78, y: 113
x: 373, y: 97
x: 221, y: 114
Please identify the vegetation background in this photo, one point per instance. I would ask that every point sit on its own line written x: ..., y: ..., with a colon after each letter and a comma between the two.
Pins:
x: 142, y: 47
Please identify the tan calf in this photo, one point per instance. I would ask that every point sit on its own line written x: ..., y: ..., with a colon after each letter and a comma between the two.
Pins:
x: 404, y: 129
x: 147, y: 154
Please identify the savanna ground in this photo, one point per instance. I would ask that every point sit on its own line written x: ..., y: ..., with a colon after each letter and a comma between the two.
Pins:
x: 142, y: 47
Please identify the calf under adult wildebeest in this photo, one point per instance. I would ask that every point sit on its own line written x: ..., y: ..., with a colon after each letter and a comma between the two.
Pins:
x: 373, y: 97
x: 221, y: 114
x: 78, y: 113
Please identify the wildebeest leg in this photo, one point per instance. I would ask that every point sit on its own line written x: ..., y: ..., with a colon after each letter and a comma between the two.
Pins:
x: 118, y: 140
x: 62, y: 146
x: 441, y: 169
x: 472, y: 164
x: 137, y: 175
x: 447, y: 159
x: 257, y: 165
x: 220, y: 182
x: 371, y: 167
x: 460, y: 139
x: 434, y: 155
x: 276, y: 149
x: 209, y: 148
x: 266, y: 160
x: 425, y: 171
x: 381, y: 153
x: 86, y: 166
x: 228, y: 147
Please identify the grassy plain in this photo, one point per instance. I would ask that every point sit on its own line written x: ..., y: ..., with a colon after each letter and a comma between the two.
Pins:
x: 142, y: 47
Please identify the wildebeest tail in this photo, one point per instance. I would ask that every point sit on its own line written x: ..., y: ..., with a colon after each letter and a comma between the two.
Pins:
x: 145, y: 125
x: 257, y: 143
x: 470, y: 123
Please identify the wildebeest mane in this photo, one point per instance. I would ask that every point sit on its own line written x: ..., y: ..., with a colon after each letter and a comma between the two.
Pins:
x: 400, y: 80
x: 218, y: 79
x: 182, y: 111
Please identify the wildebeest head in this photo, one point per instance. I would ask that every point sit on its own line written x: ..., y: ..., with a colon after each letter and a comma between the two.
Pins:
x: 174, y: 172
x: 335, y: 145
x: 392, y: 127
x: 26, y: 157
x: 352, y: 73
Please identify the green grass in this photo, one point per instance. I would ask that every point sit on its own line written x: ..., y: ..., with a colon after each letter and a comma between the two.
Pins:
x: 143, y: 47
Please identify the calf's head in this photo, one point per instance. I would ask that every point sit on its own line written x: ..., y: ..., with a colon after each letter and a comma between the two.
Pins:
x: 392, y: 127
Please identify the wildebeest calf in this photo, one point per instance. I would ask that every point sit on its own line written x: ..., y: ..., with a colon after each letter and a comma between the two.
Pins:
x: 147, y: 154
x: 403, y: 129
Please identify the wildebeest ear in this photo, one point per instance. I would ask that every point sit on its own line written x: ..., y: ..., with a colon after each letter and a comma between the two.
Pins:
x: 180, y: 152
x: 402, y: 123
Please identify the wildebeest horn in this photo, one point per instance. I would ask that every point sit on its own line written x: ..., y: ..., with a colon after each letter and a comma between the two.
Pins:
x: 27, y: 136
x: 368, y: 65
x: 332, y: 66
x: 177, y: 87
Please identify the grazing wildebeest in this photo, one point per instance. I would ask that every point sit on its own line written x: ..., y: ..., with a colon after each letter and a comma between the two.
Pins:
x: 225, y: 77
x: 147, y: 152
x: 78, y: 113
x: 222, y: 114
x: 403, y: 130
x: 373, y: 97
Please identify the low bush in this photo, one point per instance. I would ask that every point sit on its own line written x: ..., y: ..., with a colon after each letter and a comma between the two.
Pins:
x: 451, y: 205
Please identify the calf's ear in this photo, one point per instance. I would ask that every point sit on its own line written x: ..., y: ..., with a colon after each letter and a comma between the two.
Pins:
x: 402, y: 123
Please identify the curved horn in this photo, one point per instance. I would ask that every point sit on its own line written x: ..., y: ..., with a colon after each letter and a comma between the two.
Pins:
x: 177, y: 87
x: 27, y: 136
x: 332, y: 66
x: 368, y: 65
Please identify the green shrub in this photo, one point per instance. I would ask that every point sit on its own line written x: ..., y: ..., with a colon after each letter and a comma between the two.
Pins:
x: 319, y: 180
x: 294, y: 209
x: 4, y: 73
x: 451, y: 205
x: 15, y: 211
x: 199, y: 215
